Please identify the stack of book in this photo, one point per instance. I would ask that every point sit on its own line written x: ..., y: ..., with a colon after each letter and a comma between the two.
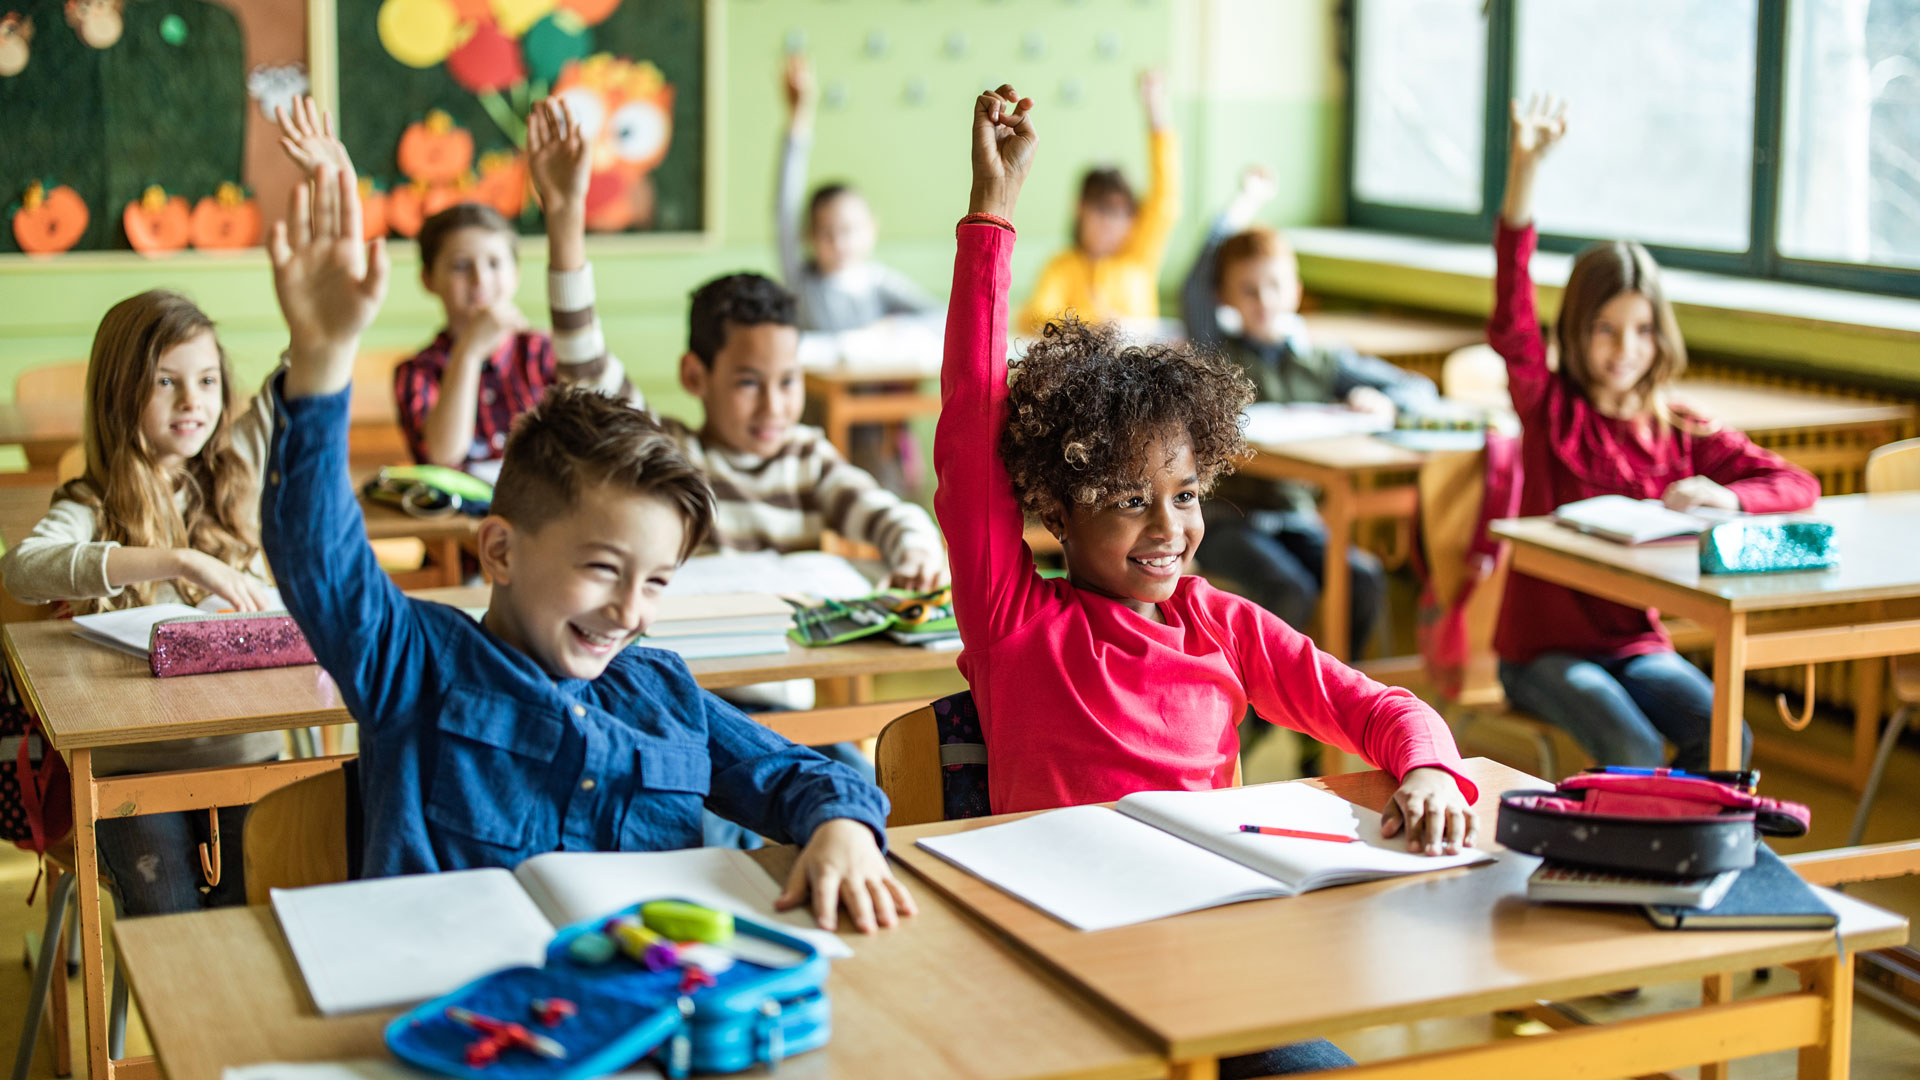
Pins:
x: 720, y: 624
x: 1766, y: 896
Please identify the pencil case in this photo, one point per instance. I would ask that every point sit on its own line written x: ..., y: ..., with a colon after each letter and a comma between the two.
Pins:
x: 1763, y: 545
x: 430, y: 491
x: 1663, y: 825
x: 239, y: 641
x: 769, y: 1005
x: 835, y: 622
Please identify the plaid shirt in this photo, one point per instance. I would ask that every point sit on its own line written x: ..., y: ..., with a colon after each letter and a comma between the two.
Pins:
x: 512, y: 381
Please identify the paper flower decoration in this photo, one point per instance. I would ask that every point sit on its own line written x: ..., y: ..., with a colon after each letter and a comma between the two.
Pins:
x: 488, y: 61
x: 419, y: 33
x: 591, y: 12
x: 156, y: 222
x: 434, y: 151
x: 97, y: 22
x: 49, y: 222
x: 516, y: 16
x: 553, y: 42
x: 225, y: 220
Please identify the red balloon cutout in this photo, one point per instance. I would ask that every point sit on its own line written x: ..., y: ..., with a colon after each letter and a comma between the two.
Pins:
x: 488, y: 61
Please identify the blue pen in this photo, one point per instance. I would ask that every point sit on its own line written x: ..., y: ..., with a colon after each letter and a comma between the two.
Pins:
x: 1745, y: 779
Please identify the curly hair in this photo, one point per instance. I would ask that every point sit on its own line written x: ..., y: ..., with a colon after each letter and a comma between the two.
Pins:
x: 1083, y: 405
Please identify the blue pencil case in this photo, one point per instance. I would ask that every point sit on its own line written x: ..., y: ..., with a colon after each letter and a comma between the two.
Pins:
x: 757, y: 1012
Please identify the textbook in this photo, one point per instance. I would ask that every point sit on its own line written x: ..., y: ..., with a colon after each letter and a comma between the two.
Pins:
x: 1274, y: 422
x: 720, y: 624
x: 1636, y: 521
x: 798, y: 573
x: 1560, y: 883
x: 382, y: 942
x: 1161, y: 853
x: 1766, y: 896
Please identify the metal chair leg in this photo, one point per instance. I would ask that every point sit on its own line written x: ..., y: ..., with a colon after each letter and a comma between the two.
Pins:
x: 1890, y: 739
x: 59, y: 895
x: 117, y: 1010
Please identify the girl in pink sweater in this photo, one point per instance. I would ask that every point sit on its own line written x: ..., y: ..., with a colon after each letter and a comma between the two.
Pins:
x: 1125, y: 676
x: 1599, y: 424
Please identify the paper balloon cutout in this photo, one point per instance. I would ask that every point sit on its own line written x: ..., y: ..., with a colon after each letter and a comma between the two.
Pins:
x: 96, y: 22
x: 434, y: 151
x: 225, y: 220
x: 173, y: 30
x: 49, y: 222
x: 553, y: 41
x: 157, y: 223
x: 488, y: 61
x: 16, y: 34
x: 591, y: 12
x: 419, y: 33
x: 516, y: 16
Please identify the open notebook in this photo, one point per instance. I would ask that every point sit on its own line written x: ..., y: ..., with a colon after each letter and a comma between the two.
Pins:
x: 1625, y: 520
x: 396, y: 941
x: 131, y: 629
x: 1160, y: 853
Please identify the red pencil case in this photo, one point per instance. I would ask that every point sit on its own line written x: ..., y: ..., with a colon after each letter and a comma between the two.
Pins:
x: 239, y: 641
x: 1677, y: 826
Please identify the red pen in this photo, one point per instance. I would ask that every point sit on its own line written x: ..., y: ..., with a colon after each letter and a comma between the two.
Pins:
x: 1300, y: 834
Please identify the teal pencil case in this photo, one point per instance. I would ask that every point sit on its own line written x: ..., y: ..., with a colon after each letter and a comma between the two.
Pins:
x: 770, y: 1004
x: 1766, y: 545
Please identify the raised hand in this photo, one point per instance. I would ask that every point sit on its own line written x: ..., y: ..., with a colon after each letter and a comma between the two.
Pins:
x: 1536, y: 128
x: 1004, y: 140
x: 802, y: 91
x: 558, y: 157
x: 1153, y: 96
x: 306, y: 134
x: 329, y: 283
x: 1257, y: 188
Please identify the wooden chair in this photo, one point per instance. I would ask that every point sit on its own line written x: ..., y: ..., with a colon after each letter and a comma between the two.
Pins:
x: 52, y: 384
x: 307, y: 833
x: 72, y: 465
x: 1476, y: 375
x: 1893, y: 467
x: 374, y: 437
x: 51, y: 969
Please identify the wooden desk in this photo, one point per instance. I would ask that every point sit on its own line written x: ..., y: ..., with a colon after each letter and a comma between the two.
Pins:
x: 938, y: 998
x: 91, y: 696
x: 885, y: 397
x: 1417, y: 343
x: 1868, y: 606
x: 1242, y: 978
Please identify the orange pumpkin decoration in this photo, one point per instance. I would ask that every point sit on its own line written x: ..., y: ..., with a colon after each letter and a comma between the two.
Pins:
x: 433, y: 151
x: 503, y: 182
x: 225, y: 220
x: 157, y: 223
x: 438, y: 197
x: 404, y: 213
x: 373, y: 210
x: 49, y: 222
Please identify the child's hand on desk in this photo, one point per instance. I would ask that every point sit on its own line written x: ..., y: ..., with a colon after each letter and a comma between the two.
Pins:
x: 329, y: 283
x: 843, y: 864
x: 1366, y: 399
x: 1696, y: 491
x: 306, y: 134
x: 1433, y: 813
x: 918, y: 571
x: 218, y: 579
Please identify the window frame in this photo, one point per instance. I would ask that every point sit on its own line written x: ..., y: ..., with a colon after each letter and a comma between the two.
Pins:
x: 1762, y: 259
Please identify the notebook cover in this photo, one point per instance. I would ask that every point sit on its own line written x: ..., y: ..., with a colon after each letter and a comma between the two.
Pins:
x: 1768, y: 896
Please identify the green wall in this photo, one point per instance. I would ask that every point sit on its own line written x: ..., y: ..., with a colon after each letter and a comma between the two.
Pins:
x: 1252, y: 80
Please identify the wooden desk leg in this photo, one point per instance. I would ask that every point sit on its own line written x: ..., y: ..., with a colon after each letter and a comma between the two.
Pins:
x: 1869, y: 699
x: 1715, y: 990
x: 1729, y: 691
x: 1197, y: 1069
x: 1832, y: 978
x: 833, y: 418
x: 1336, y: 590
x: 449, y: 563
x: 93, y: 961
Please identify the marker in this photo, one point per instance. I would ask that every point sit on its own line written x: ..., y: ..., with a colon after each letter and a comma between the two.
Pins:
x: 1745, y: 779
x: 1300, y: 834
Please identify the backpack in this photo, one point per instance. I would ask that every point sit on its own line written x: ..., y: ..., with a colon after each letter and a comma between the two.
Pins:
x: 1460, y: 494
x: 36, y: 792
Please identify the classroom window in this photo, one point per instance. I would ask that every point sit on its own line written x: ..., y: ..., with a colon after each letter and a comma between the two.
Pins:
x: 1419, y: 134
x: 1773, y: 138
x: 1850, y: 179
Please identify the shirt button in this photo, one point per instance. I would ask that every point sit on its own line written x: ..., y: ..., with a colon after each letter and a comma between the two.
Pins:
x: 579, y: 710
x: 588, y: 784
x: 273, y: 477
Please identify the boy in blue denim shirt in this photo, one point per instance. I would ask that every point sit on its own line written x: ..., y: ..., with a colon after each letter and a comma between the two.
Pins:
x: 536, y: 729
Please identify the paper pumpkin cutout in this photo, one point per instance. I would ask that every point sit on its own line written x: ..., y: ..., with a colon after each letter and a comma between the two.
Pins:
x: 515, y: 16
x: 553, y: 41
x: 225, y: 220
x: 591, y: 12
x: 626, y: 111
x: 157, y: 223
x: 503, y: 182
x: 97, y: 22
x: 434, y: 151
x: 489, y: 60
x: 49, y: 222
x: 16, y: 34
x: 419, y: 33
x: 440, y: 197
x: 373, y: 210
x: 404, y: 212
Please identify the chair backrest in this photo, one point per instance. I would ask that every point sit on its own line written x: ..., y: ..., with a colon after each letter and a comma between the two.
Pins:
x: 372, y: 399
x: 54, y: 383
x: 307, y: 833
x: 72, y: 464
x: 1475, y: 374
x: 1894, y: 467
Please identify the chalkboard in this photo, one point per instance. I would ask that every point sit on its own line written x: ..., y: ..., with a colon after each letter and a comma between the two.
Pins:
x: 434, y: 96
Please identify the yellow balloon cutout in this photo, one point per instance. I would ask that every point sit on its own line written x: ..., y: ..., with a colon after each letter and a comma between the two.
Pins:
x: 515, y: 16
x: 419, y: 33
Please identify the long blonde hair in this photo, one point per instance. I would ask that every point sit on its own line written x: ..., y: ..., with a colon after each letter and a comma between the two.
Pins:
x: 1601, y: 272
x: 210, y: 503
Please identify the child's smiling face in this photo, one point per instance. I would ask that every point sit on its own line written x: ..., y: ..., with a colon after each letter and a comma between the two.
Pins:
x: 1133, y: 545
x: 184, y: 400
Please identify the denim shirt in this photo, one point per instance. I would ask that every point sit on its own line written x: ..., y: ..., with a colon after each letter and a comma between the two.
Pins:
x: 471, y: 754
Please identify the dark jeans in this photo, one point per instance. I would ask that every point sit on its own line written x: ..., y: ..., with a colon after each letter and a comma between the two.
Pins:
x: 154, y: 860
x: 1622, y: 710
x: 1300, y: 1057
x: 716, y: 831
x: 1279, y: 557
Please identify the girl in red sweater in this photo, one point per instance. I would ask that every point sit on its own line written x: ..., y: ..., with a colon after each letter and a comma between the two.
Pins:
x: 1600, y: 424
x: 1126, y: 676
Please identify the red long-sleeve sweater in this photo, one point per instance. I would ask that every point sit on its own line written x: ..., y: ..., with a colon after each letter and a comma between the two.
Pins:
x: 1570, y: 451
x: 1081, y: 698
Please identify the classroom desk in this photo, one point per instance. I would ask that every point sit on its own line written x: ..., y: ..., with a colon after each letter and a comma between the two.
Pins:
x: 1241, y: 978
x: 869, y: 396
x: 1420, y: 343
x: 939, y: 999
x: 91, y: 696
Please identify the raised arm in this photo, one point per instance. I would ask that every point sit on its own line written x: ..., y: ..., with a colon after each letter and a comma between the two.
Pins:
x: 1161, y: 207
x: 978, y: 512
x: 1200, y: 296
x: 790, y: 185
x: 1514, y: 328
x: 561, y: 165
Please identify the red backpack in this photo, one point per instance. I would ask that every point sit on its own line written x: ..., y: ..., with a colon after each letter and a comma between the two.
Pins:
x: 36, y: 800
x: 1459, y: 496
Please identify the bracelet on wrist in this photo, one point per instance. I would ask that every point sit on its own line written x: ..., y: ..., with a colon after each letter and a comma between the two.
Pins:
x: 987, y: 219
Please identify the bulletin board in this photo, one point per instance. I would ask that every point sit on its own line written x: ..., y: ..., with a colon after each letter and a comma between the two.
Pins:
x: 144, y: 124
x: 434, y: 95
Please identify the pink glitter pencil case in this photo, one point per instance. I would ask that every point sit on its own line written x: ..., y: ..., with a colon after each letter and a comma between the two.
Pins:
x: 235, y: 641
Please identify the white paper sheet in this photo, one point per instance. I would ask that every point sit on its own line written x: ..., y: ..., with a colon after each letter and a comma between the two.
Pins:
x: 1271, y: 422
x: 809, y: 573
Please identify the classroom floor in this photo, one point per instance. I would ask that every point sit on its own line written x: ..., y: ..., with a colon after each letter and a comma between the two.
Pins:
x: 1885, y: 1047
